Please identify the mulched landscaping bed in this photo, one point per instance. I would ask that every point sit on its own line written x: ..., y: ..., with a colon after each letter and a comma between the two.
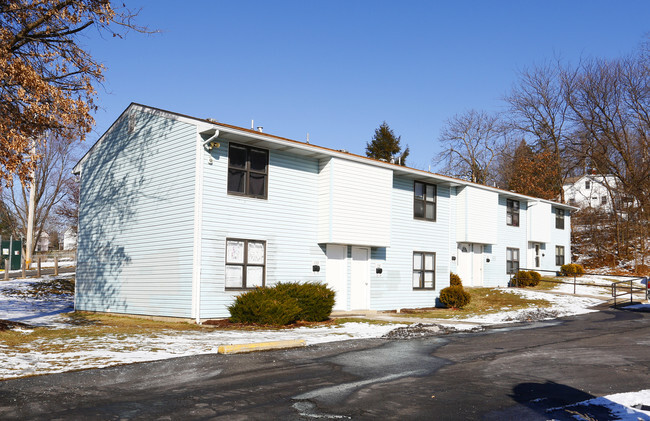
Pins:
x: 226, y: 324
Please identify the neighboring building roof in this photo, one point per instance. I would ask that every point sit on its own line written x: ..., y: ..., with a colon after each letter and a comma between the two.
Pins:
x: 598, y: 178
x: 308, y: 149
x: 572, y: 180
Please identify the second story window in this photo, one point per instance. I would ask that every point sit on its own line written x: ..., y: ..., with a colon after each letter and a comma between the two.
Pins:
x: 587, y: 185
x: 559, y: 219
x: 424, y: 204
x: 248, y: 171
x: 512, y: 212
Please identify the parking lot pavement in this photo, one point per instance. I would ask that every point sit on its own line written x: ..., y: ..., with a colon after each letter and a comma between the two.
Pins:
x: 519, y: 371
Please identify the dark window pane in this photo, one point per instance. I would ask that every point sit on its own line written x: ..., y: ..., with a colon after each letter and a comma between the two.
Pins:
x: 418, y: 209
x: 257, y: 184
x: 259, y: 160
x: 237, y: 157
x: 419, y: 190
x: 236, y: 180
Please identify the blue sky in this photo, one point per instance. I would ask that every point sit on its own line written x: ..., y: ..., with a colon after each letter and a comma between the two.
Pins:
x: 337, y: 69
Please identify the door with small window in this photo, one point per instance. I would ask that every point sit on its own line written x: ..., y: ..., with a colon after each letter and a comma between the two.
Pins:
x: 477, y: 265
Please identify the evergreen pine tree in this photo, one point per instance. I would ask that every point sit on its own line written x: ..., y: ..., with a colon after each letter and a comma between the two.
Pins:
x: 386, y: 146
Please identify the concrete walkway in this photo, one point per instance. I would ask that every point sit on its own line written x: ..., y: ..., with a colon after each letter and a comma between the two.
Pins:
x: 386, y: 316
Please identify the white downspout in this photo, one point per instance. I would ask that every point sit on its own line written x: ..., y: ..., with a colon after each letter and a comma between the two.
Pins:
x: 201, y: 146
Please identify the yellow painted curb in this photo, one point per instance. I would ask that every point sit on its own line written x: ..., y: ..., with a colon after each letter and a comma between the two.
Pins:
x: 260, y: 346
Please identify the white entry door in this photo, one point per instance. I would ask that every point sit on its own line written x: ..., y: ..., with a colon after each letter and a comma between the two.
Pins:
x: 360, y: 282
x: 477, y: 265
x: 336, y: 274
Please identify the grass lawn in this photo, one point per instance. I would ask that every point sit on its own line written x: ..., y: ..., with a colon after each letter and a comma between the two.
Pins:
x: 92, y: 326
x: 484, y: 301
x: 547, y: 283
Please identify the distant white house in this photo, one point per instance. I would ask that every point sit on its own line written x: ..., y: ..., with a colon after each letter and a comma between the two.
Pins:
x: 590, y: 191
x: 70, y: 239
x: 43, y: 243
x: 179, y: 215
x: 596, y: 191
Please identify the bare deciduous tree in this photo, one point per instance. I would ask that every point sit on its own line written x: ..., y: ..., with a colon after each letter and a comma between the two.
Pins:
x: 538, y: 112
x: 470, y: 146
x: 610, y: 101
x: 68, y: 209
x: 53, y: 173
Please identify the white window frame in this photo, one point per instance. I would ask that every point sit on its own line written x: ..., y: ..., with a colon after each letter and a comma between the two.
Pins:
x: 244, y: 264
x: 422, y: 270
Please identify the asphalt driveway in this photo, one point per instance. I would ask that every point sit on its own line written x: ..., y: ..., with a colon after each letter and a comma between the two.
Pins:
x: 514, y: 372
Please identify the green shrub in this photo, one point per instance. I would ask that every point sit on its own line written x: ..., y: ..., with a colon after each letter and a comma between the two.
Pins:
x: 526, y: 278
x: 264, y: 306
x: 455, y: 297
x: 454, y: 280
x: 572, y: 269
x: 535, y: 277
x: 315, y: 299
x: 522, y: 279
x: 283, y: 304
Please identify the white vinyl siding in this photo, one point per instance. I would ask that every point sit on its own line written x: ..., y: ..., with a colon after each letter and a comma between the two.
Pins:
x: 358, y: 208
x: 287, y: 221
x: 136, y: 219
x: 539, y: 219
x: 394, y: 288
x: 140, y: 195
x: 477, y: 215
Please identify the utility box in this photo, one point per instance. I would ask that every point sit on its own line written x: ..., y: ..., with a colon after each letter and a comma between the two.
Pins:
x: 12, y: 250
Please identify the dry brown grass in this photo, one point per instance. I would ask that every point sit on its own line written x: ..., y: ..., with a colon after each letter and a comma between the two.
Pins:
x: 89, y: 325
x: 484, y: 301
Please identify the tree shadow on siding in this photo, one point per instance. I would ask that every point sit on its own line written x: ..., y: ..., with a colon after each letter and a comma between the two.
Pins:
x: 112, y: 179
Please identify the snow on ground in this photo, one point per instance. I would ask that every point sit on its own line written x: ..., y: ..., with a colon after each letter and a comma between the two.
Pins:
x: 623, y: 406
x: 84, y: 352
x: 561, y: 305
x: 35, y: 312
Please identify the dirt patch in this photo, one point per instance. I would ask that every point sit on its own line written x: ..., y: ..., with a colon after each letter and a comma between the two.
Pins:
x: 533, y: 315
x: 43, y: 290
x: 8, y: 325
x: 419, y: 330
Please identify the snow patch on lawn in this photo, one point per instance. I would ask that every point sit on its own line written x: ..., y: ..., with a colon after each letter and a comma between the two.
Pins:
x: 83, y: 352
x: 35, y: 312
x: 561, y: 306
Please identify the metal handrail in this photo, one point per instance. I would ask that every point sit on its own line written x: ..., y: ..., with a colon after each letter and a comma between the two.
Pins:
x: 631, y: 289
x: 614, y: 286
